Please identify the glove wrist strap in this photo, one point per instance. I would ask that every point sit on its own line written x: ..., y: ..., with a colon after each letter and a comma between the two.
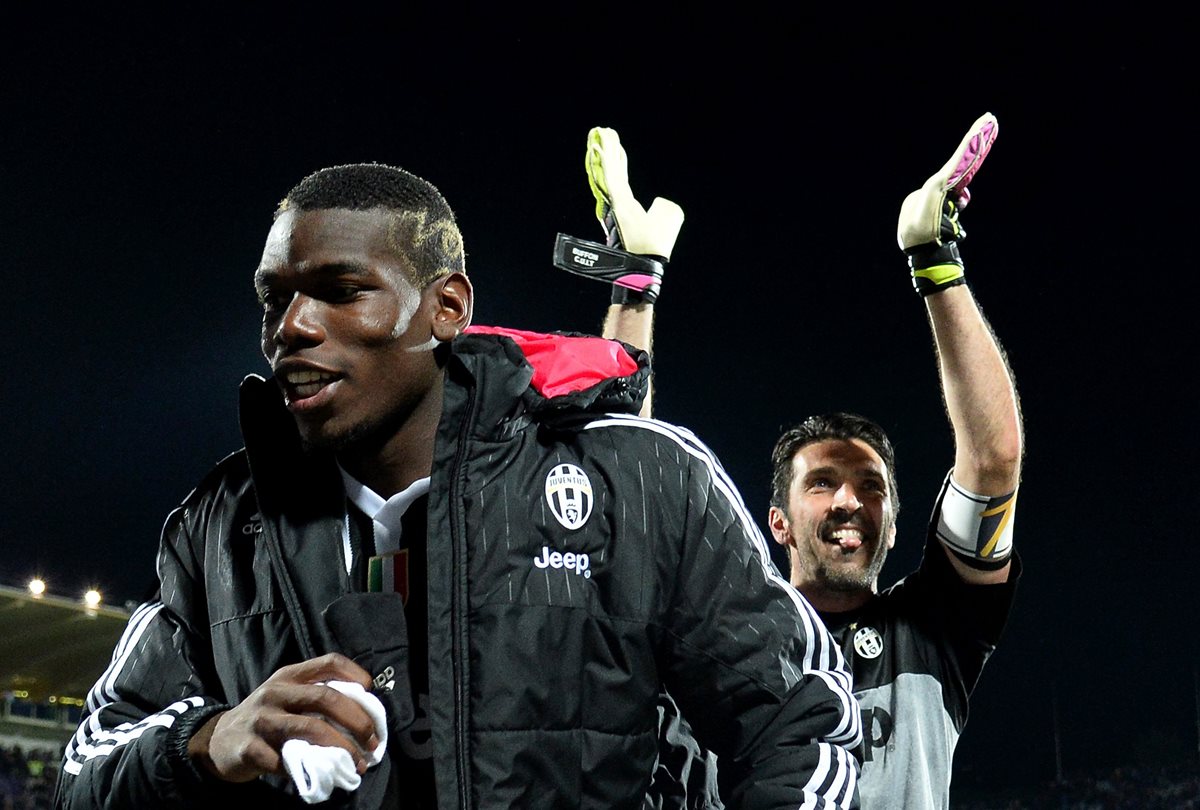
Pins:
x: 628, y: 297
x: 935, y: 267
x: 636, y: 279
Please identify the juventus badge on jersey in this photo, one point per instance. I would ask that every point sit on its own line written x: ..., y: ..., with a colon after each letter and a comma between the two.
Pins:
x: 868, y: 643
x: 569, y: 494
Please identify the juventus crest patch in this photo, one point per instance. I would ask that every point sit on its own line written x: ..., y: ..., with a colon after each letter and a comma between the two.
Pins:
x: 868, y: 643
x: 569, y: 495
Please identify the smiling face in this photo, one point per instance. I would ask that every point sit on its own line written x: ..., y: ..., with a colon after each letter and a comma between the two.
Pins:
x: 348, y: 335
x: 839, y: 522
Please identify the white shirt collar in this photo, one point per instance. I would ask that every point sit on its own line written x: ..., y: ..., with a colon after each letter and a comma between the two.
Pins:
x: 385, y: 514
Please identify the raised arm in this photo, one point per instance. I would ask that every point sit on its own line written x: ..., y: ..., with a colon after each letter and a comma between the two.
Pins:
x: 638, y: 245
x: 633, y: 324
x: 980, y: 397
x: 977, y: 384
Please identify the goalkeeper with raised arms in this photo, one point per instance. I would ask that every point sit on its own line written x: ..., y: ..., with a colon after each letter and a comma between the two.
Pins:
x: 916, y: 648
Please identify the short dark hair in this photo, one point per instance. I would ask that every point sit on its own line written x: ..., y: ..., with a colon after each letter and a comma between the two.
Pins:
x: 424, y: 229
x: 845, y: 426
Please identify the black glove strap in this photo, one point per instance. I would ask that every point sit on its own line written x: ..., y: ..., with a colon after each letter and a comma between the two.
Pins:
x: 944, y: 265
x: 594, y: 260
x: 625, y: 297
x: 931, y: 253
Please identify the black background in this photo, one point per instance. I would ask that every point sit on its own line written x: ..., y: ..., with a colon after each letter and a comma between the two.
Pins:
x: 140, y: 161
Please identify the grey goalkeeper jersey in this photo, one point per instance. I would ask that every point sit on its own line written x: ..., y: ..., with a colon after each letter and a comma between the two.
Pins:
x: 916, y: 651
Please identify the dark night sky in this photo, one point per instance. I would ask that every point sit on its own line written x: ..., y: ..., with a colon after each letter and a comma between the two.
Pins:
x: 139, y: 170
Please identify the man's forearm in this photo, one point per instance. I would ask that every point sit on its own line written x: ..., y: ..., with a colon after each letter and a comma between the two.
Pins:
x: 979, y: 393
x: 633, y: 324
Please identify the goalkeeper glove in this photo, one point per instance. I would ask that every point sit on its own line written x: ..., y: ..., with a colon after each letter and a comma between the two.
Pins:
x: 638, y: 241
x: 928, y: 230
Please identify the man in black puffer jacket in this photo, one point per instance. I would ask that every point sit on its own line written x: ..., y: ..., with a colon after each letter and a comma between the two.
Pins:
x: 469, y: 529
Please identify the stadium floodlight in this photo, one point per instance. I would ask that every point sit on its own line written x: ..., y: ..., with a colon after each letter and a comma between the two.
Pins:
x: 92, y: 598
x: 37, y: 587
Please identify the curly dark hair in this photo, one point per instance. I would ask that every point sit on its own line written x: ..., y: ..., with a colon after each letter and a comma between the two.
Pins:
x: 845, y: 426
x: 423, y: 229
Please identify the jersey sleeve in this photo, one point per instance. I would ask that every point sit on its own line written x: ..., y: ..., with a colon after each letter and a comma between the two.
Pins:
x: 967, y: 619
x: 118, y: 757
x: 751, y: 665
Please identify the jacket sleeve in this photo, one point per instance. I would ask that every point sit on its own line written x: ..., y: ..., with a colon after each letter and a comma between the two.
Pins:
x: 157, y: 682
x: 750, y: 663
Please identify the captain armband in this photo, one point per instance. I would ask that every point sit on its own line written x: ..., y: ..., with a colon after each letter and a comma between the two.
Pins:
x: 976, y: 528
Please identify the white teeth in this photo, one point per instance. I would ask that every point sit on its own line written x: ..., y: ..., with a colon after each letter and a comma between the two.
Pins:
x: 304, y: 377
x: 304, y: 383
x: 841, y: 534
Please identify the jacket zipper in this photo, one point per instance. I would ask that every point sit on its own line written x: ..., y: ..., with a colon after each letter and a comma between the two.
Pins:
x: 283, y: 576
x: 459, y: 600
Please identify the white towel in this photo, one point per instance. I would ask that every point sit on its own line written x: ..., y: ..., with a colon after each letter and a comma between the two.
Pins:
x: 318, y: 769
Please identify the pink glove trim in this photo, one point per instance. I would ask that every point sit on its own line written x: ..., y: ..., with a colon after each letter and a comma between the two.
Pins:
x: 968, y: 164
x: 636, y: 281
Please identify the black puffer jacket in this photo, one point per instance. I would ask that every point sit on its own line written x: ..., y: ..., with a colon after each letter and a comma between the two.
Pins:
x: 580, y: 560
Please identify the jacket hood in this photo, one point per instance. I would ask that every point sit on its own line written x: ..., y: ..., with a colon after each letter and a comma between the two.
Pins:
x: 548, y: 376
x: 564, y: 363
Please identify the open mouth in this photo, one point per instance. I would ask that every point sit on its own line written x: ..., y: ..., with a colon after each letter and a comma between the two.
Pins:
x: 305, y: 386
x: 848, y: 538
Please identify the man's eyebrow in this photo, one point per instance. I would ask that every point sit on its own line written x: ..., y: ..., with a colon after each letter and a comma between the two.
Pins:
x: 320, y: 272
x: 334, y: 269
x: 871, y: 472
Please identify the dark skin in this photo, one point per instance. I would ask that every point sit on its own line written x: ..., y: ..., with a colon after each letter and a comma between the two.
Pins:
x: 245, y: 742
x: 350, y: 339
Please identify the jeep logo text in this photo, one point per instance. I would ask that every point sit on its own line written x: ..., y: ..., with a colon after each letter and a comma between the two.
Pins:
x: 579, y: 563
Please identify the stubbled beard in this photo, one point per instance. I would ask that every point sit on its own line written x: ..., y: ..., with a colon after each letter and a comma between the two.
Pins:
x: 337, y: 443
x: 850, y: 580
x: 845, y: 579
x: 357, y: 437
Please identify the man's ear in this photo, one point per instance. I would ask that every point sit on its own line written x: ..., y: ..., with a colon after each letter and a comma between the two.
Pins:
x: 891, y: 538
x: 454, y: 300
x: 778, y: 522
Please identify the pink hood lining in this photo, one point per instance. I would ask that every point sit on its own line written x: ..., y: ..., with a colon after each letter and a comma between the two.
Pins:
x: 563, y: 364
